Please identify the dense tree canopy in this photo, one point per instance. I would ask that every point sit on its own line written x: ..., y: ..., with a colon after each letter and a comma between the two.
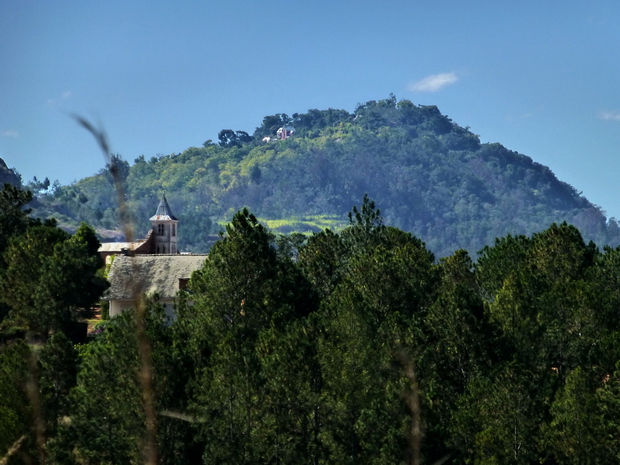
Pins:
x: 50, y: 276
x: 345, y: 346
x: 342, y: 347
x: 48, y: 280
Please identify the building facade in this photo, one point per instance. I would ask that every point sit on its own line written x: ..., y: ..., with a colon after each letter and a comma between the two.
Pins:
x: 150, y: 267
x: 161, y: 239
x: 165, y: 229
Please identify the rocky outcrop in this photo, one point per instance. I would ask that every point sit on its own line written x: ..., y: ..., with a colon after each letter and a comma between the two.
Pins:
x: 8, y: 175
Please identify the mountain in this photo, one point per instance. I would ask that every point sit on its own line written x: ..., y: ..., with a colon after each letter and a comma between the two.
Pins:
x: 427, y: 174
x: 8, y: 175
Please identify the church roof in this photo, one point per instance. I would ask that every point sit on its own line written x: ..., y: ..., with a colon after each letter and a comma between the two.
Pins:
x: 118, y: 247
x: 146, y: 274
x: 163, y: 212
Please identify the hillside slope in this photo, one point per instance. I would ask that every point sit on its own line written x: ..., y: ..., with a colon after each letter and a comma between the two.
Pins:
x: 427, y: 174
x: 8, y: 175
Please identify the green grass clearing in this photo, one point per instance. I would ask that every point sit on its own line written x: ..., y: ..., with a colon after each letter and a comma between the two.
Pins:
x: 306, y: 225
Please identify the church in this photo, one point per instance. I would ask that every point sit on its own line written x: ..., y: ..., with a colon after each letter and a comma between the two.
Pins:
x: 161, y: 239
x: 150, y: 266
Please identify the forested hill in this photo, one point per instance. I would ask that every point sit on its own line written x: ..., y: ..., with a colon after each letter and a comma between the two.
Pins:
x: 427, y: 174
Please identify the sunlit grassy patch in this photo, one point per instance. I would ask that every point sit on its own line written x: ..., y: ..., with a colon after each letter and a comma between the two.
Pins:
x: 305, y: 225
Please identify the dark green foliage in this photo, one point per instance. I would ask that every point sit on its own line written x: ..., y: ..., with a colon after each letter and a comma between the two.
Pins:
x: 311, y: 123
x: 14, y: 218
x: 24, y: 281
x: 50, y: 277
x: 321, y: 261
x: 460, y: 345
x: 16, y: 416
x: 496, y: 263
x: 501, y: 415
x: 247, y: 296
x: 576, y: 432
x: 230, y: 138
x: 343, y: 348
x: 373, y: 314
x: 106, y: 413
x: 58, y: 366
x: 107, y: 420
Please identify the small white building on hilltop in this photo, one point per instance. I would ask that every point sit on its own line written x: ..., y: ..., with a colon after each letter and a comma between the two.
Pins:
x: 132, y: 277
x: 285, y: 132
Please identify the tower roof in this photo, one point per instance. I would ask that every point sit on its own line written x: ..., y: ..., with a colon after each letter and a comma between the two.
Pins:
x: 163, y: 212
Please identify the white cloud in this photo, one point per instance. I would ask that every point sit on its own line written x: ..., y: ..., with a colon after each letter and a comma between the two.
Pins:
x: 609, y: 115
x: 433, y: 82
x: 9, y: 133
x: 64, y: 96
x: 512, y: 117
x: 527, y: 115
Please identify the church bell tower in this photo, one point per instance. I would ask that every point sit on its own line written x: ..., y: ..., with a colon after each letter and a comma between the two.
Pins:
x: 165, y: 229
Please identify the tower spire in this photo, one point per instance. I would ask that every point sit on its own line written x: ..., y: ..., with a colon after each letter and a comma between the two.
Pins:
x: 165, y: 228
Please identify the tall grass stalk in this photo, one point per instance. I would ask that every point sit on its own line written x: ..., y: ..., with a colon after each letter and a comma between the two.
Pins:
x: 144, y: 346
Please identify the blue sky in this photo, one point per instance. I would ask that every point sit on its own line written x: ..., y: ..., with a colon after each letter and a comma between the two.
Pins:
x: 542, y: 78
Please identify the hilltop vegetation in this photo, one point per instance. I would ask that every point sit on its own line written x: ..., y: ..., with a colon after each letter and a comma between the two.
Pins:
x: 350, y: 347
x: 430, y: 176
